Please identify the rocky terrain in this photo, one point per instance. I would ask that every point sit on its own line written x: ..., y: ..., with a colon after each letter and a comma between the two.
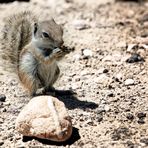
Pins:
x: 108, y: 71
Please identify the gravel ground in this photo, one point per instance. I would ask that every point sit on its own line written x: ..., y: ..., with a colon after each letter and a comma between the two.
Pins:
x: 111, y: 106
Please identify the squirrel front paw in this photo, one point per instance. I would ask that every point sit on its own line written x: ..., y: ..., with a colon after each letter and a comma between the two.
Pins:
x: 67, y: 49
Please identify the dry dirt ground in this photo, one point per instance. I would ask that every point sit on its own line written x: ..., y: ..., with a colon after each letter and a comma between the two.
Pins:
x: 110, y: 109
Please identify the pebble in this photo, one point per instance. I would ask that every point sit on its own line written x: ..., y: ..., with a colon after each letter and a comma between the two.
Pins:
x: 102, y: 70
x: 20, y: 145
x: 53, y: 116
x: 116, y: 57
x: 106, y: 108
x: 129, y: 116
x: 100, y: 110
x: 80, y: 24
x: 118, y: 77
x: 141, y: 115
x: 141, y: 121
x: 87, y: 53
x: 1, y: 120
x: 132, y: 47
x: 76, y: 85
x: 144, y: 140
x: 1, y: 142
x: 102, y: 79
x: 105, y: 71
x: 107, y: 58
x: 99, y: 117
x: 129, y: 82
x: 89, y: 121
x: 84, y: 72
x: 135, y: 58
x: 2, y: 98
x: 110, y: 94
x: 4, y: 110
x: 77, y: 57
x: 130, y: 144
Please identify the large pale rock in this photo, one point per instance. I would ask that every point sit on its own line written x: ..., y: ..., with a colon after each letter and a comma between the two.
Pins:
x: 45, y: 117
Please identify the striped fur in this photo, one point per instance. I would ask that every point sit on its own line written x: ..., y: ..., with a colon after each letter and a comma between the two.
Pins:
x: 15, y: 34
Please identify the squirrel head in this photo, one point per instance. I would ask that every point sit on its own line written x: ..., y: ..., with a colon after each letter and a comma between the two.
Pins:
x: 47, y: 34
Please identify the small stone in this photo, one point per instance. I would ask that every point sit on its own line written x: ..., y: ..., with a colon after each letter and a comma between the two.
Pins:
x: 80, y: 24
x: 1, y: 120
x: 107, y: 58
x: 105, y: 71
x: 84, y: 72
x: 130, y: 144
x: 129, y: 82
x: 129, y: 116
x: 102, y: 79
x: 1, y: 142
x: 20, y: 144
x: 141, y: 121
x: 76, y: 85
x: 100, y: 110
x: 101, y: 70
x: 77, y: 57
x: 45, y: 117
x: 144, y: 140
x: 141, y: 115
x: 135, y: 58
x: 118, y: 77
x: 116, y: 137
x: 7, y: 103
x: 4, y: 110
x: 132, y: 47
x: 110, y: 94
x: 2, y: 98
x: 106, y: 108
x: 99, y: 117
x: 89, y: 121
x: 117, y: 133
x: 87, y: 53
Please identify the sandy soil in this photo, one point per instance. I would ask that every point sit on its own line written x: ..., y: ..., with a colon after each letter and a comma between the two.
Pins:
x: 110, y: 109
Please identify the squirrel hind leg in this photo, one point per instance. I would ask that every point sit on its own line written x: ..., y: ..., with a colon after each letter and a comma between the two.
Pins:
x: 38, y: 92
x: 29, y: 82
x: 44, y: 91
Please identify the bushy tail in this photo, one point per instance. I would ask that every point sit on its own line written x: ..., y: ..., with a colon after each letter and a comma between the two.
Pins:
x: 15, y: 34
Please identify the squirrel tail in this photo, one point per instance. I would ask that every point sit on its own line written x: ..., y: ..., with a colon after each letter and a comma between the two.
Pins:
x: 14, y: 35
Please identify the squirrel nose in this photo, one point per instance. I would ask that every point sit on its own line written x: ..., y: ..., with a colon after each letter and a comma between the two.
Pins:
x: 60, y: 43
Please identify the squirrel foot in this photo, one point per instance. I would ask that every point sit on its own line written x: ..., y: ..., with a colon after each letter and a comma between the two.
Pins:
x: 50, y: 91
x: 65, y: 92
x: 54, y: 92
x: 44, y: 91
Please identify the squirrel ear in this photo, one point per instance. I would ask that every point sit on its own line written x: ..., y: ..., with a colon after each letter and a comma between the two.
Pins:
x: 35, y: 28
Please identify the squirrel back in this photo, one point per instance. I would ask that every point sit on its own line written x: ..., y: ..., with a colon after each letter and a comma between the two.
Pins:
x: 15, y: 34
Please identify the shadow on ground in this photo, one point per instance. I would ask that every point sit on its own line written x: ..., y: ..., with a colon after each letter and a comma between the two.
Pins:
x: 74, y: 137
x: 9, y: 1
x: 70, y: 100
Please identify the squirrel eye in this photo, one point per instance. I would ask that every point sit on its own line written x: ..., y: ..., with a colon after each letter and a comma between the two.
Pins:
x: 46, y: 35
x: 35, y: 28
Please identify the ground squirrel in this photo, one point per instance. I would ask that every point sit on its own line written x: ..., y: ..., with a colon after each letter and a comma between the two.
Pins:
x: 32, y: 48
